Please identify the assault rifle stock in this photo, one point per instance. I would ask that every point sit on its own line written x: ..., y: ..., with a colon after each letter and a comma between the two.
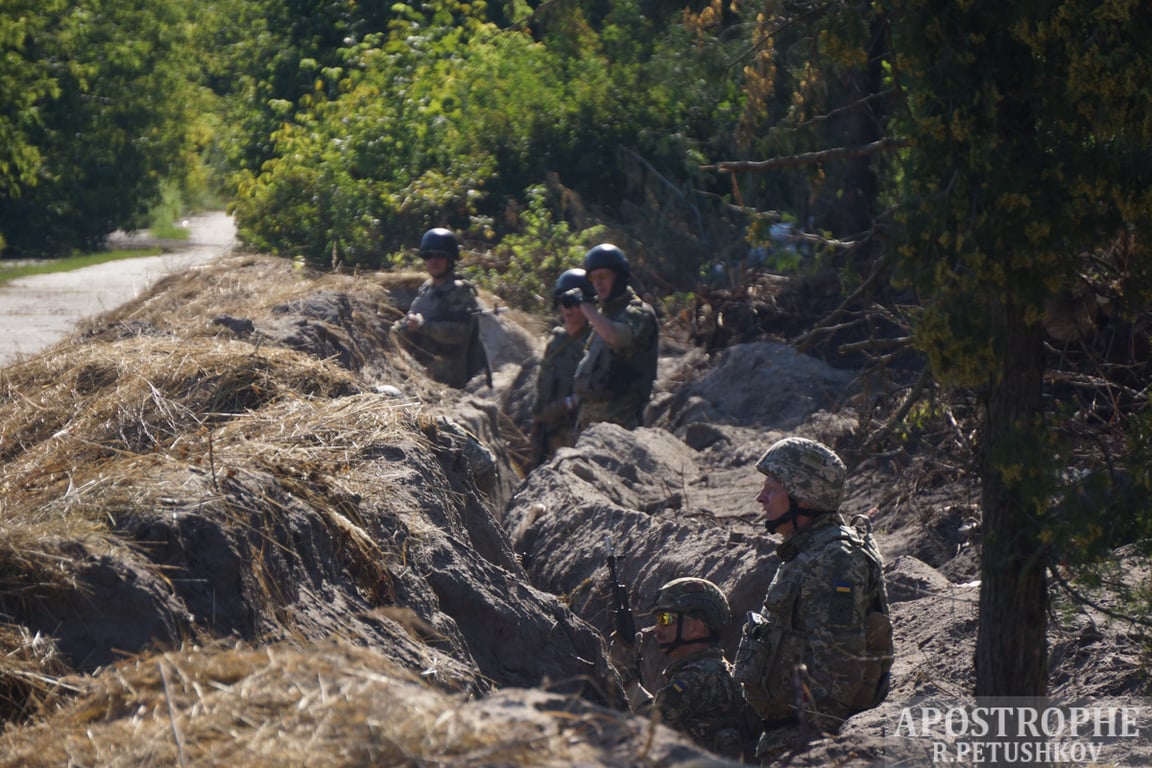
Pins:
x: 622, y: 611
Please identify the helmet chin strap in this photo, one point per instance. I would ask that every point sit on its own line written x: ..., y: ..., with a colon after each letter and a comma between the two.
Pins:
x: 792, y: 516
x: 667, y: 648
x: 618, y: 286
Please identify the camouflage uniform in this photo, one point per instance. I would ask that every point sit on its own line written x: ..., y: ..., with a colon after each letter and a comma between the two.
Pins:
x: 448, y: 343
x: 615, y: 383
x: 555, y: 420
x: 826, y: 608
x: 703, y: 700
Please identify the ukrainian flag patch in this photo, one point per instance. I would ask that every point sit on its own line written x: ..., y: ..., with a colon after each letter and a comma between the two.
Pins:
x: 843, y: 602
x: 678, y: 685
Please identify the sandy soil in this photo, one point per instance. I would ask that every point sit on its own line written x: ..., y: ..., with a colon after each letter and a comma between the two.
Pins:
x: 40, y: 310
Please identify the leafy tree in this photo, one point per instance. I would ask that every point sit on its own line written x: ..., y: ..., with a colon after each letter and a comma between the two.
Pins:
x: 25, y: 81
x: 1025, y: 174
x: 1029, y: 128
x: 113, y: 123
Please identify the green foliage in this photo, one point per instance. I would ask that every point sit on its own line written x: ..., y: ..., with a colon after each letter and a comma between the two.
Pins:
x: 108, y: 117
x: 525, y: 265
x: 433, y: 115
x: 1028, y: 133
x: 25, y: 80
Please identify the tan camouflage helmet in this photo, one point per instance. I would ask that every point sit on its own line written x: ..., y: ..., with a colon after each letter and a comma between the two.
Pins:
x: 810, y: 471
x: 695, y: 597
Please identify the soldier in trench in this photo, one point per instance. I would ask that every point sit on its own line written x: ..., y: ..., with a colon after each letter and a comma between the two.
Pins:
x: 442, y: 327
x: 821, y: 648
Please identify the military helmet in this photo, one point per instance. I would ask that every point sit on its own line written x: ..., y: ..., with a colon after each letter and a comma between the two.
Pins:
x: 440, y: 241
x: 608, y: 256
x: 695, y: 597
x: 810, y: 471
x: 573, y: 278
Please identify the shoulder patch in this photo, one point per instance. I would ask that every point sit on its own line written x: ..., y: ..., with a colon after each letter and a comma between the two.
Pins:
x: 843, y: 601
x: 678, y: 685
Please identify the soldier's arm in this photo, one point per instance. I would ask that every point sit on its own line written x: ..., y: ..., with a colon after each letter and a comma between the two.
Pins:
x: 602, y: 324
x: 675, y: 702
x: 635, y: 331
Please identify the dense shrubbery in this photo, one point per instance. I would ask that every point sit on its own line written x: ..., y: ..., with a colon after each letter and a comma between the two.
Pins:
x: 445, y: 118
x: 97, y: 110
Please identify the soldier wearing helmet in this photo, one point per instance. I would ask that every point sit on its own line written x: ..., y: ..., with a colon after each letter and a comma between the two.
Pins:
x: 700, y: 698
x: 614, y: 379
x: 556, y: 406
x: 821, y: 648
x: 442, y: 327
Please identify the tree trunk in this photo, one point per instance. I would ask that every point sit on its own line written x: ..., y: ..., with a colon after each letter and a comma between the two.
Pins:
x: 1011, y: 644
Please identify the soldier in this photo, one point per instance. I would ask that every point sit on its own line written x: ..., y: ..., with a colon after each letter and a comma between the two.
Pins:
x: 701, y: 698
x: 442, y: 328
x: 556, y: 407
x: 821, y: 648
x: 614, y: 379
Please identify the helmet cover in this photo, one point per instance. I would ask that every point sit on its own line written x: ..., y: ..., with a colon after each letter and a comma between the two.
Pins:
x: 810, y: 471
x: 695, y: 597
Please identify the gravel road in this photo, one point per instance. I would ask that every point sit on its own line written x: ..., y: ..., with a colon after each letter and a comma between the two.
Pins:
x: 40, y: 310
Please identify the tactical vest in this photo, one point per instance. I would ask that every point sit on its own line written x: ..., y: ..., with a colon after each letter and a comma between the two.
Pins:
x: 769, y: 639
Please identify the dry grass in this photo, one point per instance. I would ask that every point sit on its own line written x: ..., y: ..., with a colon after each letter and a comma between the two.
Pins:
x: 324, y: 705
x: 82, y: 428
x: 156, y: 411
x: 31, y: 673
x: 154, y: 414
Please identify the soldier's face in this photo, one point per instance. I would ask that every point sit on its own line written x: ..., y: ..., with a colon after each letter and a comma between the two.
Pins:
x: 603, y: 280
x: 773, y: 500
x: 692, y: 629
x: 574, y: 320
x: 437, y: 264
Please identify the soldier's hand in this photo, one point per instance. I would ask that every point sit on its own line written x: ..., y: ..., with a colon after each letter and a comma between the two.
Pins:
x: 624, y: 657
x: 573, y: 297
x: 415, y: 321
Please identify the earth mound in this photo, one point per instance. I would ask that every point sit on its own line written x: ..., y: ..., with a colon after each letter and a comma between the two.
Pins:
x: 240, y: 526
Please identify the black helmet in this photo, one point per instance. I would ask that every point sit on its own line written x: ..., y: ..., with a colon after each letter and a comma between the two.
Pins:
x: 440, y: 241
x: 608, y: 256
x: 573, y: 278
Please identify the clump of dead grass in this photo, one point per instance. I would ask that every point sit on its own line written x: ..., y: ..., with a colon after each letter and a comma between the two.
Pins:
x: 94, y: 402
x: 31, y: 673
x: 99, y: 433
x: 247, y: 285
x: 330, y: 704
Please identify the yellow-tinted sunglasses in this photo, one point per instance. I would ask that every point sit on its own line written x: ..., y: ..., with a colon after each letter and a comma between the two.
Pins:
x: 664, y: 618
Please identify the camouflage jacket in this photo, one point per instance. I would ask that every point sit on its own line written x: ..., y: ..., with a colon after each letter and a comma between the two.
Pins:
x: 554, y: 383
x: 448, y: 343
x: 614, y: 382
x: 826, y: 608
x: 703, y: 700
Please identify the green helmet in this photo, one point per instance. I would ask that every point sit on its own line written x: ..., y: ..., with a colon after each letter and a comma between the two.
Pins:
x: 810, y: 471
x: 695, y: 597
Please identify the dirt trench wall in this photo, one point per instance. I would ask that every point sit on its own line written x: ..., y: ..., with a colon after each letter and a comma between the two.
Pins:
x: 611, y: 490
x: 281, y: 476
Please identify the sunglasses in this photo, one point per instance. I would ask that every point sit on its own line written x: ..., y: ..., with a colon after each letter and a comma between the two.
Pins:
x: 664, y: 618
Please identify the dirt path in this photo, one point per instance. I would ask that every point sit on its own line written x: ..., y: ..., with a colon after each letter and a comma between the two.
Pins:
x: 40, y: 310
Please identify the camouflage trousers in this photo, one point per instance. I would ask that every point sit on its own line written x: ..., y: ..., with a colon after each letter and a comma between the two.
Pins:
x: 625, y: 409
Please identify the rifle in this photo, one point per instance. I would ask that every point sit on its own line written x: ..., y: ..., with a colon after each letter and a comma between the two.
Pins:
x: 622, y: 611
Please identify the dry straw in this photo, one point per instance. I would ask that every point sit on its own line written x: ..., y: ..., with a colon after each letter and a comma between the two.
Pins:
x: 325, y: 705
